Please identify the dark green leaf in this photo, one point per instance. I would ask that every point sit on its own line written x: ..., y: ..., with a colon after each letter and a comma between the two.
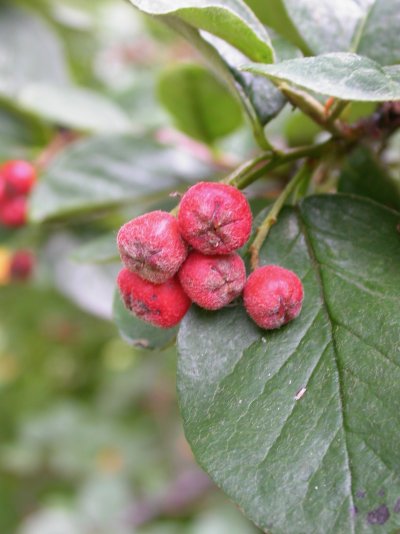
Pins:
x: 231, y: 20
x: 262, y: 94
x: 109, y: 171
x: 363, y: 174
x: 200, y: 105
x: 325, y: 462
x: 30, y: 51
x: 137, y: 332
x: 343, y: 75
x: 81, y: 109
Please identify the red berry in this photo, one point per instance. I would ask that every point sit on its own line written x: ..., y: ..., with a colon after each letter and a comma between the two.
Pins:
x: 13, y: 212
x: 22, y: 263
x: 162, y: 305
x: 214, y: 218
x: 152, y: 247
x: 273, y: 296
x: 20, y: 177
x: 3, y: 194
x: 212, y: 282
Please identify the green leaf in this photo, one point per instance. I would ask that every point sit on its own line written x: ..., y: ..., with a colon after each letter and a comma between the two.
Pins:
x: 102, y: 249
x: 261, y: 94
x: 342, y: 75
x: 324, y: 25
x: 217, y: 61
x: 363, y: 174
x: 327, y: 461
x: 109, y: 171
x: 379, y: 37
x: 81, y: 109
x: 273, y: 13
x: 137, y: 332
x: 369, y: 27
x: 20, y: 135
x: 231, y: 20
x: 30, y: 51
x: 200, y: 105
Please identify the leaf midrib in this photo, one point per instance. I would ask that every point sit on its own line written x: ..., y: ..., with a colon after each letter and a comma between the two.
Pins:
x: 325, y: 309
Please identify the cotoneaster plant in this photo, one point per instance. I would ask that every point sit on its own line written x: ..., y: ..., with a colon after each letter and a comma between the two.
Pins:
x: 296, y: 420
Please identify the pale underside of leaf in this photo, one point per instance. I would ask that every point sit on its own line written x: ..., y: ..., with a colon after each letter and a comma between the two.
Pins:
x: 342, y: 75
x: 111, y: 171
x: 369, y: 27
x: 231, y: 20
x: 300, y: 466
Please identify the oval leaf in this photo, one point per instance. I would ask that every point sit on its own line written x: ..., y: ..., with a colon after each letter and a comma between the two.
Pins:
x: 81, y: 109
x: 231, y: 20
x: 369, y: 27
x: 300, y: 425
x: 379, y: 37
x: 30, y: 51
x: 101, y: 249
x: 324, y: 25
x: 108, y: 171
x: 200, y: 105
x: 137, y: 332
x: 342, y: 75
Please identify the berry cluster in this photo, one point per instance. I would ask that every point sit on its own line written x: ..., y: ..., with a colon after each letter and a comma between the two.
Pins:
x: 17, y: 177
x: 171, y: 262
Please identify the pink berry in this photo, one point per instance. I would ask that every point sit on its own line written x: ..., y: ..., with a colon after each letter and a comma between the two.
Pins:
x: 273, y: 296
x: 212, y: 282
x: 162, y: 305
x: 20, y: 177
x: 13, y: 212
x: 152, y: 247
x: 21, y: 266
x: 214, y: 218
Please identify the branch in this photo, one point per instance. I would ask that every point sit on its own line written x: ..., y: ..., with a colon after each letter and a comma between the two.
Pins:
x: 270, y: 220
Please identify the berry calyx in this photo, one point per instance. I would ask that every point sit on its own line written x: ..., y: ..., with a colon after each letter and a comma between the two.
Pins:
x: 21, y: 265
x: 214, y: 218
x: 19, y: 176
x: 273, y: 296
x: 212, y: 282
x: 162, y: 305
x: 152, y: 247
x: 13, y: 212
